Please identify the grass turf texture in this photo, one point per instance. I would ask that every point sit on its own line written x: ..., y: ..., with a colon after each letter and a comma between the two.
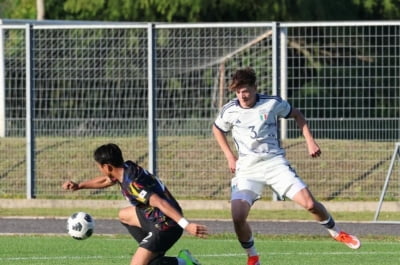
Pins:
x: 216, y: 250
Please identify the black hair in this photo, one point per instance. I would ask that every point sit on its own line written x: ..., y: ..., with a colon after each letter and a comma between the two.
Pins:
x: 109, y: 154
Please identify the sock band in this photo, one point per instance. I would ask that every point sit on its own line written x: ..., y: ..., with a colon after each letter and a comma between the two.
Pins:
x: 329, y: 224
x: 248, y: 244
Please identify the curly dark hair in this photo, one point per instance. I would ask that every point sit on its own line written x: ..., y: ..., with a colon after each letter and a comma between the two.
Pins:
x: 243, y: 77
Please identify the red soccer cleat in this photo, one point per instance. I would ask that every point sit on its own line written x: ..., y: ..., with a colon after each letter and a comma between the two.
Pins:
x: 253, y: 260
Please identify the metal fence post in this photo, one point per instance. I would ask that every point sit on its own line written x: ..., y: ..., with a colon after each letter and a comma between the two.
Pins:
x: 276, y: 76
x: 2, y: 86
x: 283, y: 76
x: 275, y: 58
x: 30, y: 135
x: 385, y: 185
x: 152, y: 133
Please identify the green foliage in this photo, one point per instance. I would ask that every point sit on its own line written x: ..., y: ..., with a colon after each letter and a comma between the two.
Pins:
x: 378, y: 9
x: 178, y: 10
x: 321, y: 10
x: 204, y: 10
x: 5, y: 8
x: 141, y: 10
x: 18, y: 9
x: 84, y: 9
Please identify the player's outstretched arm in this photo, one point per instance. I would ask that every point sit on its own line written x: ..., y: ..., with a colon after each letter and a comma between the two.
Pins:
x: 95, y: 183
x: 192, y: 228
x: 70, y: 185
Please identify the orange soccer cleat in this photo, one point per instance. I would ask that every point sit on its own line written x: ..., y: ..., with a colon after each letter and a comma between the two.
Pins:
x: 349, y: 240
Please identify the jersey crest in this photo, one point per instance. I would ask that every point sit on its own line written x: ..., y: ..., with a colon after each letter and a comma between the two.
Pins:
x: 263, y: 114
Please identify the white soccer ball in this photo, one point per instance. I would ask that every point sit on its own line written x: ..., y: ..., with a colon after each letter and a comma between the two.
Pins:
x: 80, y: 225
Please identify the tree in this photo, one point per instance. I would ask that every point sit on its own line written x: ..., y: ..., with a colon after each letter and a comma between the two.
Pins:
x: 40, y: 9
x: 202, y: 10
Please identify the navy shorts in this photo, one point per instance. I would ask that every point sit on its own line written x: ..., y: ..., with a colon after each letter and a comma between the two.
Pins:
x: 154, y: 239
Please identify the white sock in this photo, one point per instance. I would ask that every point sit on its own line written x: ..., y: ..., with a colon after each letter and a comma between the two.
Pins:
x: 332, y: 229
x: 251, y: 251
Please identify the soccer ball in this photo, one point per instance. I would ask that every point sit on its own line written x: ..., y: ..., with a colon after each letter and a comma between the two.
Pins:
x: 80, y: 225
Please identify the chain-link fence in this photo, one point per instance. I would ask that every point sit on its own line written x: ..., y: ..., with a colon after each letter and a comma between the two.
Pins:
x: 161, y: 85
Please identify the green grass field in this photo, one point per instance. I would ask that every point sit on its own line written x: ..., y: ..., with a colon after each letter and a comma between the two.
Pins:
x: 216, y: 250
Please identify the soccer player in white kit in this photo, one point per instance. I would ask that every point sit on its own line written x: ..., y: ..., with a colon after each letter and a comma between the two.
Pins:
x: 252, y: 119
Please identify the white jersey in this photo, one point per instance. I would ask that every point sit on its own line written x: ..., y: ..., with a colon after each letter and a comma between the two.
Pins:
x: 254, y: 130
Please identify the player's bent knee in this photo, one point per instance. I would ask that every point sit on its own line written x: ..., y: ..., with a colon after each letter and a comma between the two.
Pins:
x: 239, y: 220
x: 125, y: 214
x: 121, y: 216
x: 310, y: 206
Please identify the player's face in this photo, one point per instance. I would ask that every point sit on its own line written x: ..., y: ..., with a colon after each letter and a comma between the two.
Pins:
x: 105, y: 169
x: 247, y: 96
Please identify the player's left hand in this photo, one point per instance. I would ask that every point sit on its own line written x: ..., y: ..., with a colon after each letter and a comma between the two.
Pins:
x: 314, y: 150
x: 316, y: 154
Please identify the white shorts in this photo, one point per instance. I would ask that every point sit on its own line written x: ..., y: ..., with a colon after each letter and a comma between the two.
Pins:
x: 254, y: 174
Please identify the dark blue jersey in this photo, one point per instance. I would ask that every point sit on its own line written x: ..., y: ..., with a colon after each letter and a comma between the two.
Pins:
x: 138, y: 185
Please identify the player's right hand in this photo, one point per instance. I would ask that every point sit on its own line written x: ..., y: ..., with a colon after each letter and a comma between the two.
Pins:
x: 232, y: 163
x: 70, y: 185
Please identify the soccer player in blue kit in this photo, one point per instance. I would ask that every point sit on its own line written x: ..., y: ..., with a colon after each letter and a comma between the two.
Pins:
x: 252, y: 119
x: 154, y: 219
